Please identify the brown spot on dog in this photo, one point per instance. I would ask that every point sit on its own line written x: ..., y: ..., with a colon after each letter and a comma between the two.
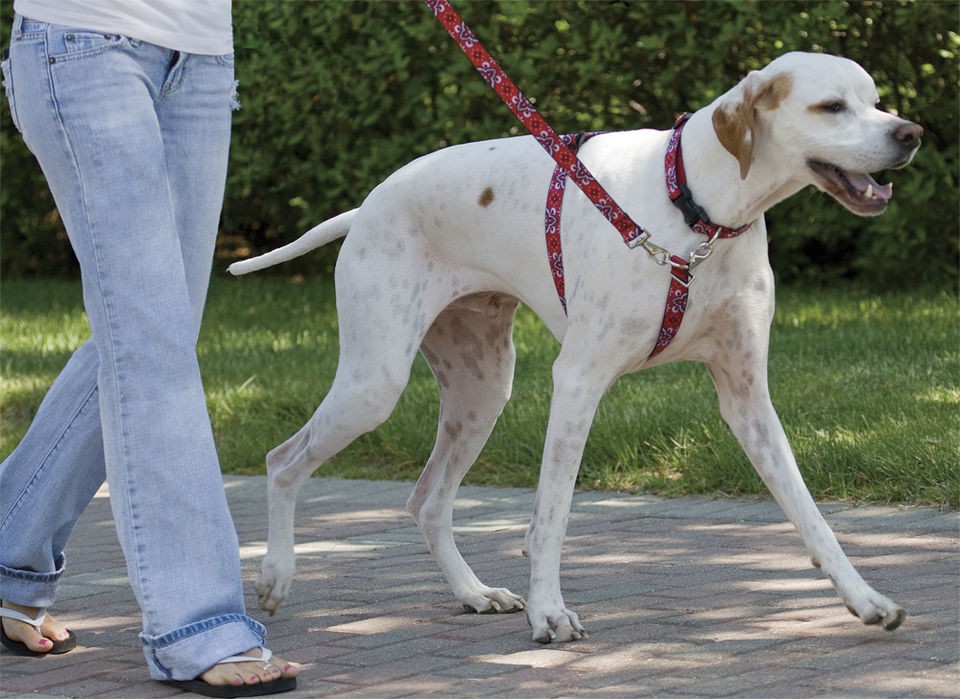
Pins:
x: 779, y: 88
x: 734, y: 118
x: 486, y: 198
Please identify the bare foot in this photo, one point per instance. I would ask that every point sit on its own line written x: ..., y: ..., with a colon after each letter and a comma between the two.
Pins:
x: 237, y: 674
x: 52, y: 631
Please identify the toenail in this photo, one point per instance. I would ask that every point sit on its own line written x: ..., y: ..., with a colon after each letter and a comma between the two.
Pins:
x: 42, y: 642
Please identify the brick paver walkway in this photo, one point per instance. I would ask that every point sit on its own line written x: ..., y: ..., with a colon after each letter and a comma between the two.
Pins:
x: 688, y: 597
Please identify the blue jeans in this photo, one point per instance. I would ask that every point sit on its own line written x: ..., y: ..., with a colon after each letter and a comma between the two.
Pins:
x: 133, y: 140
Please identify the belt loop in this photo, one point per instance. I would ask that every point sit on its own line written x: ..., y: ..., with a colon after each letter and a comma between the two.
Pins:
x: 17, y: 30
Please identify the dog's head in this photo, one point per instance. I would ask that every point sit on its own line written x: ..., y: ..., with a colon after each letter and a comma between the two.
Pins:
x: 817, y: 115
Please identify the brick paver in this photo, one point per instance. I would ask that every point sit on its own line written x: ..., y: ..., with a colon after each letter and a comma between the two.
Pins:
x: 687, y: 597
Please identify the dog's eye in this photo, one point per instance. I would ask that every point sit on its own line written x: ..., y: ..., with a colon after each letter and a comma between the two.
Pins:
x: 833, y: 107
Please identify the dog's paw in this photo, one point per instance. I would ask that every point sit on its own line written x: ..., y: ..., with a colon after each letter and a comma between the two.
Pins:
x: 273, y: 585
x: 558, y: 627
x: 492, y: 600
x: 877, y: 609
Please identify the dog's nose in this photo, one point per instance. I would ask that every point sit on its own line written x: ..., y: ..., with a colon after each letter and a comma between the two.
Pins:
x: 908, y: 135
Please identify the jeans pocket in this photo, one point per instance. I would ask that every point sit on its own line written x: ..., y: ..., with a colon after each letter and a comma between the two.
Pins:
x: 8, y: 89
x: 65, y: 43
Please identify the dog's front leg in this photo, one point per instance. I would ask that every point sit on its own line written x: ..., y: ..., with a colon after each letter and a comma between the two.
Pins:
x: 746, y: 406
x: 574, y: 403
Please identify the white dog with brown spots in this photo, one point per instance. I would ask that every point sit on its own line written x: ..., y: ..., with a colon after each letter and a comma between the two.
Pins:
x: 440, y: 254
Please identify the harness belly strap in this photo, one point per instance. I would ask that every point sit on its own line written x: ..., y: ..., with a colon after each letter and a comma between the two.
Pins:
x: 675, y: 306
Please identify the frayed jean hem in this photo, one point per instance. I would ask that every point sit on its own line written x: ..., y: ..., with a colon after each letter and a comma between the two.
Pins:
x: 187, y: 652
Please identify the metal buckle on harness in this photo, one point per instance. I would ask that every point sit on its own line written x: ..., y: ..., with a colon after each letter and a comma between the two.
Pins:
x: 686, y: 267
x: 684, y: 283
x: 662, y: 257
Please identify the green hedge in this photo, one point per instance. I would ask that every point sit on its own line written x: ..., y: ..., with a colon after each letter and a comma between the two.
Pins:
x: 336, y: 95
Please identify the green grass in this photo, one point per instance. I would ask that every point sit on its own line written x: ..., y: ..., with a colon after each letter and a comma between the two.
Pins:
x: 867, y: 386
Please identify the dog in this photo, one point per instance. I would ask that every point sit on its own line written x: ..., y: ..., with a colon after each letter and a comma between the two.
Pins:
x: 439, y: 255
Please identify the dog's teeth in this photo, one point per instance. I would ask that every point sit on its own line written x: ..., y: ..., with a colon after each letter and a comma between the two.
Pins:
x: 869, y: 193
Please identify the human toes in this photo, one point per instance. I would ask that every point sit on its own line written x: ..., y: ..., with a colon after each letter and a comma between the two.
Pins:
x: 285, y: 668
x: 18, y: 630
x: 54, y: 630
x: 27, y: 635
x: 251, y: 671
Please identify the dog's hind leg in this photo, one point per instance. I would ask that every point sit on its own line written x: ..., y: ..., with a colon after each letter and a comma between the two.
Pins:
x: 345, y: 413
x: 470, y: 351
x: 746, y: 407
x: 376, y: 354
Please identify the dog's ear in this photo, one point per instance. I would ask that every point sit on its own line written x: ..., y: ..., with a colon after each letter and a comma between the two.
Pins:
x: 734, y: 119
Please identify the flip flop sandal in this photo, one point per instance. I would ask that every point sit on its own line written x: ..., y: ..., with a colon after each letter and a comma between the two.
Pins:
x: 198, y: 686
x: 20, y: 648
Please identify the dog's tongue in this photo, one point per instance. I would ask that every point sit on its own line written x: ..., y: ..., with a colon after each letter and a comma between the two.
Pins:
x: 868, y: 187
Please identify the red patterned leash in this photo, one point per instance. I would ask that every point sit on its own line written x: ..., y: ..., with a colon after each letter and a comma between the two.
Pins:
x: 633, y: 235
x: 559, y: 148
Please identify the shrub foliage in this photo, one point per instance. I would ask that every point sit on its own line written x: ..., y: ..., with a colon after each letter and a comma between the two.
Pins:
x: 336, y: 95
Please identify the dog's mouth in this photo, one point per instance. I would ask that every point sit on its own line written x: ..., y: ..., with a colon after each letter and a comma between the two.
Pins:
x: 857, y: 191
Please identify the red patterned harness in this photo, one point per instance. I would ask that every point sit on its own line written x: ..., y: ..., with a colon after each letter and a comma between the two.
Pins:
x: 680, y: 196
x: 561, y: 149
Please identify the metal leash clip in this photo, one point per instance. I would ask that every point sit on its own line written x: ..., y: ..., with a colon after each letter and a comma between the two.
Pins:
x: 703, y: 250
x: 658, y: 254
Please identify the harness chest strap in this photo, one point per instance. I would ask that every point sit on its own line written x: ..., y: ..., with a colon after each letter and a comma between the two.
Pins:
x: 695, y: 217
x: 681, y: 197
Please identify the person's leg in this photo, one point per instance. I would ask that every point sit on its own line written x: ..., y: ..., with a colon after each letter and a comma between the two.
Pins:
x: 94, y: 127
x: 63, y: 442
x: 66, y: 428
x: 196, y: 163
x: 48, y: 480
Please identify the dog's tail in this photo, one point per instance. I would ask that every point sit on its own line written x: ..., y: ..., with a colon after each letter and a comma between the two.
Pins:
x: 326, y: 232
